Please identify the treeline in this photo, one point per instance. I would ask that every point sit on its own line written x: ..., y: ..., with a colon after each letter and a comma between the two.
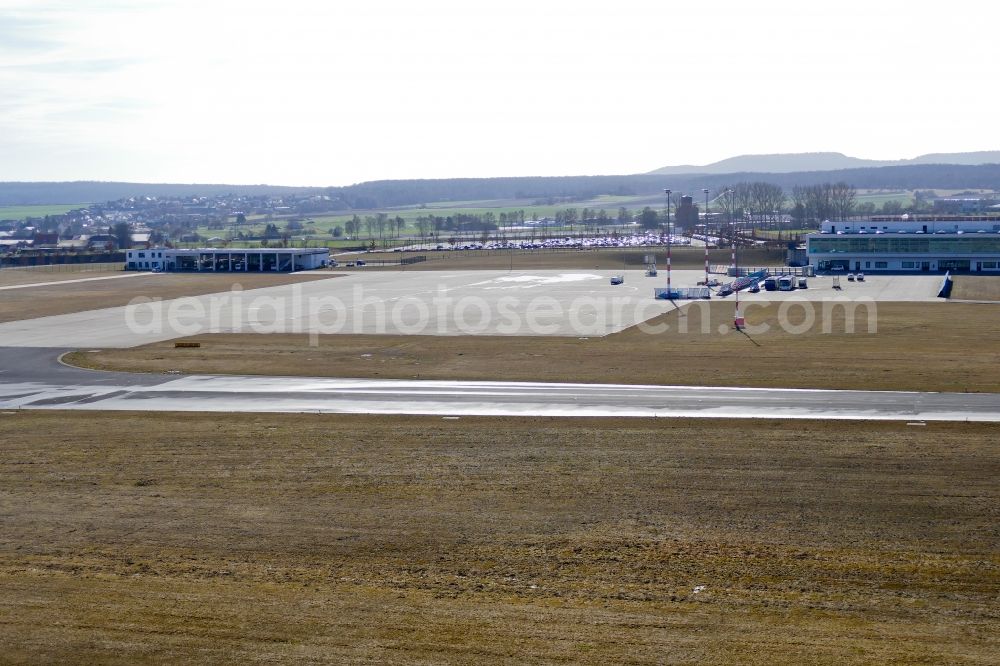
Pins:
x: 760, y: 200
x: 807, y: 205
x: 387, y: 193
x: 30, y: 194
x: 381, y: 194
x: 763, y: 204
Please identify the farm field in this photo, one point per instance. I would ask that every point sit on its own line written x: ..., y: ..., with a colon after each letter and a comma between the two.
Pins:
x: 306, y: 538
x: 318, y: 225
x: 904, y: 197
x: 918, y: 347
x: 41, y: 210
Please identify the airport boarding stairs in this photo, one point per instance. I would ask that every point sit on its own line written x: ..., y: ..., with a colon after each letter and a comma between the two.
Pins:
x: 682, y: 293
x: 742, y: 283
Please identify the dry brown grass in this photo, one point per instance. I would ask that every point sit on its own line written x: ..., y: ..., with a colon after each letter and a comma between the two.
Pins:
x: 916, y: 346
x: 43, y: 301
x: 303, y: 538
x: 975, y: 288
x: 15, y: 277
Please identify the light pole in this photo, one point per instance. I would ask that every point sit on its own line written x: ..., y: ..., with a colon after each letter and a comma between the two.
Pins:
x: 732, y: 233
x: 705, y: 235
x: 737, y: 318
x: 670, y: 293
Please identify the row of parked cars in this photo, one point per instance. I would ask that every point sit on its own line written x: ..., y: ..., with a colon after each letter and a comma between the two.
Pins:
x: 593, y: 242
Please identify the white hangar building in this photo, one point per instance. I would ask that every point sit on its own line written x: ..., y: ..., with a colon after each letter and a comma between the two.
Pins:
x: 202, y: 260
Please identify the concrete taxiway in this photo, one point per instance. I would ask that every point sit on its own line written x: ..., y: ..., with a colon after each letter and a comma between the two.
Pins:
x: 35, y: 379
x: 560, y: 303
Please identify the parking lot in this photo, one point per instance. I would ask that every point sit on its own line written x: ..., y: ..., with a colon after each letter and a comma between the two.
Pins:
x: 646, y: 239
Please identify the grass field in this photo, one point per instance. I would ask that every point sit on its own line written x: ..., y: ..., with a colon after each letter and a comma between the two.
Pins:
x: 47, y: 300
x: 918, y: 347
x: 22, y: 212
x: 905, y: 197
x: 10, y: 278
x: 975, y: 288
x: 532, y: 211
x: 297, y: 241
x: 321, y: 223
x: 302, y: 538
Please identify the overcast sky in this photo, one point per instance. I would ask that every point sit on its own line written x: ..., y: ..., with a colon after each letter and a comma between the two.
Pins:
x: 331, y: 93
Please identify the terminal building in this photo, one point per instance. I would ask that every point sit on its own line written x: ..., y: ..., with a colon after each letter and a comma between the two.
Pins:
x: 215, y: 260
x: 908, y: 243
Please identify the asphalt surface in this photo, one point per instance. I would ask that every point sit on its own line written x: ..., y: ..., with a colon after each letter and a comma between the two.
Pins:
x: 35, y: 379
x: 580, y: 303
x: 562, y: 303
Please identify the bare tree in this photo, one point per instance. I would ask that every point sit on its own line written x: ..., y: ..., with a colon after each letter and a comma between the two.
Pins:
x: 843, y: 198
x: 814, y: 203
x: 381, y: 220
x: 757, y: 201
x: 766, y: 200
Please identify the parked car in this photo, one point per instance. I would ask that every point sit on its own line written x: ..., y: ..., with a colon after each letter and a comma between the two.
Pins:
x: 850, y: 277
x: 617, y: 279
x: 860, y: 277
x: 754, y: 287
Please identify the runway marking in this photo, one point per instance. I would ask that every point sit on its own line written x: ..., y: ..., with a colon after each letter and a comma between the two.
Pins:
x: 58, y: 282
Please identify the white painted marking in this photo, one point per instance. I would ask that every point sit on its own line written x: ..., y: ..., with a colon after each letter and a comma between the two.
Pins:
x: 59, y: 282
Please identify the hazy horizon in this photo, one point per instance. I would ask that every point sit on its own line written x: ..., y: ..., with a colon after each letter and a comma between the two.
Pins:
x: 323, y: 94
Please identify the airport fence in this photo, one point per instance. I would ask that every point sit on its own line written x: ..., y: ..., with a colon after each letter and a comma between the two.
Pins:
x: 742, y: 271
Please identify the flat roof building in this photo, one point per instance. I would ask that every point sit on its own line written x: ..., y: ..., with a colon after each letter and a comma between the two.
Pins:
x: 220, y: 260
x: 922, y: 244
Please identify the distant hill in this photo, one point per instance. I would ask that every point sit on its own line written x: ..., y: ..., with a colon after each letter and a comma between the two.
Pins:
x: 804, y: 162
x: 388, y: 193
x: 970, y: 159
x: 33, y: 193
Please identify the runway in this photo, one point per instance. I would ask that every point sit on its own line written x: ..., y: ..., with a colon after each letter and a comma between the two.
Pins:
x: 34, y: 379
